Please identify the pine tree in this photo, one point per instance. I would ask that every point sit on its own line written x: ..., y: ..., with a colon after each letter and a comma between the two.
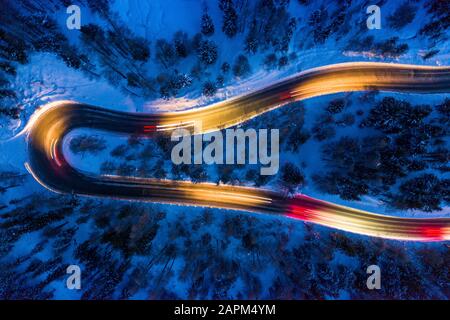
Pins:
x: 225, y: 68
x: 181, y: 44
x: 229, y: 24
x: 138, y: 48
x: 85, y: 143
x: 292, y: 177
x: 251, y: 41
x: 207, y: 24
x: 170, y: 86
x: 165, y: 53
x: 207, y: 52
x: 241, y: 67
x: 424, y: 192
x: 270, y: 61
x: 209, y: 88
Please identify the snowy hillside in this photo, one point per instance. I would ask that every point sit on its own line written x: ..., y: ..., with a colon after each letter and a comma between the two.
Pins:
x: 354, y: 149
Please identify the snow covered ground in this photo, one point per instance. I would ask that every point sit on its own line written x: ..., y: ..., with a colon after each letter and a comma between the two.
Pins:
x: 46, y: 78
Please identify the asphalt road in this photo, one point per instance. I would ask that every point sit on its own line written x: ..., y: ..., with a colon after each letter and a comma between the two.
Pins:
x: 49, y: 125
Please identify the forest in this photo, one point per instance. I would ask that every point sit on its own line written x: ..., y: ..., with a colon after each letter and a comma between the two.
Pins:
x: 381, y: 151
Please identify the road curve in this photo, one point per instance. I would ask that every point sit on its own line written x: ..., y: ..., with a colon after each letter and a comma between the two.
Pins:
x: 49, y: 125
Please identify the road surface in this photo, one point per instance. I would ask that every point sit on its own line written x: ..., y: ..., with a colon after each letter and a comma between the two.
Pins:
x: 48, y: 127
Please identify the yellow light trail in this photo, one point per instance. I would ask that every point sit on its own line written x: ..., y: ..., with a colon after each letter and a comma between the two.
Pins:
x: 48, y: 127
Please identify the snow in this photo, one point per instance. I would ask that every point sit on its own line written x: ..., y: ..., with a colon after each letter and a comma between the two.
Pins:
x: 46, y: 79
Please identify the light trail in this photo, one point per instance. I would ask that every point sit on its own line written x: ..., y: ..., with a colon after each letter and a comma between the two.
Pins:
x: 48, y: 127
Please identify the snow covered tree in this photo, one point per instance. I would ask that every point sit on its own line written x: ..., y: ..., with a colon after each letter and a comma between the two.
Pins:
x: 317, y: 22
x: 439, y: 22
x: 251, y: 41
x: 171, y: 85
x: 209, y: 88
x: 336, y: 106
x: 207, y: 52
x: 207, y: 27
x: 99, y: 6
x: 158, y: 170
x: 13, y: 48
x: 346, y: 120
x: 225, y: 68
x: 403, y: 15
x: 270, y: 61
x: 139, y: 48
x: 95, y: 37
x: 7, y: 68
x: 337, y: 183
x: 7, y: 93
x: 291, y: 177
x: 229, y: 24
x: 11, y: 112
x: 165, y: 53
x: 241, y: 66
x: 296, y: 139
x: 390, y: 48
x: 220, y: 81
x: 444, y: 110
x: 85, y: 143
x: 283, y: 61
x: 133, y: 80
x: 120, y: 151
x: 198, y: 174
x: 323, y: 127
x: 424, y: 192
x: 181, y: 44
x: 197, y: 40
x: 430, y: 54
x: 290, y: 28
x: 108, y: 167
x: 125, y: 169
x: 393, y: 116
x: 10, y: 179
x: 181, y: 81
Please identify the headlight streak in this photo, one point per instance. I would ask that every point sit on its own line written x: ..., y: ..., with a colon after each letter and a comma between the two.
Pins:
x: 49, y: 125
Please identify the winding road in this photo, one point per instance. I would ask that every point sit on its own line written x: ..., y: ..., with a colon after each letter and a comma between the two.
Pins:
x: 49, y: 125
